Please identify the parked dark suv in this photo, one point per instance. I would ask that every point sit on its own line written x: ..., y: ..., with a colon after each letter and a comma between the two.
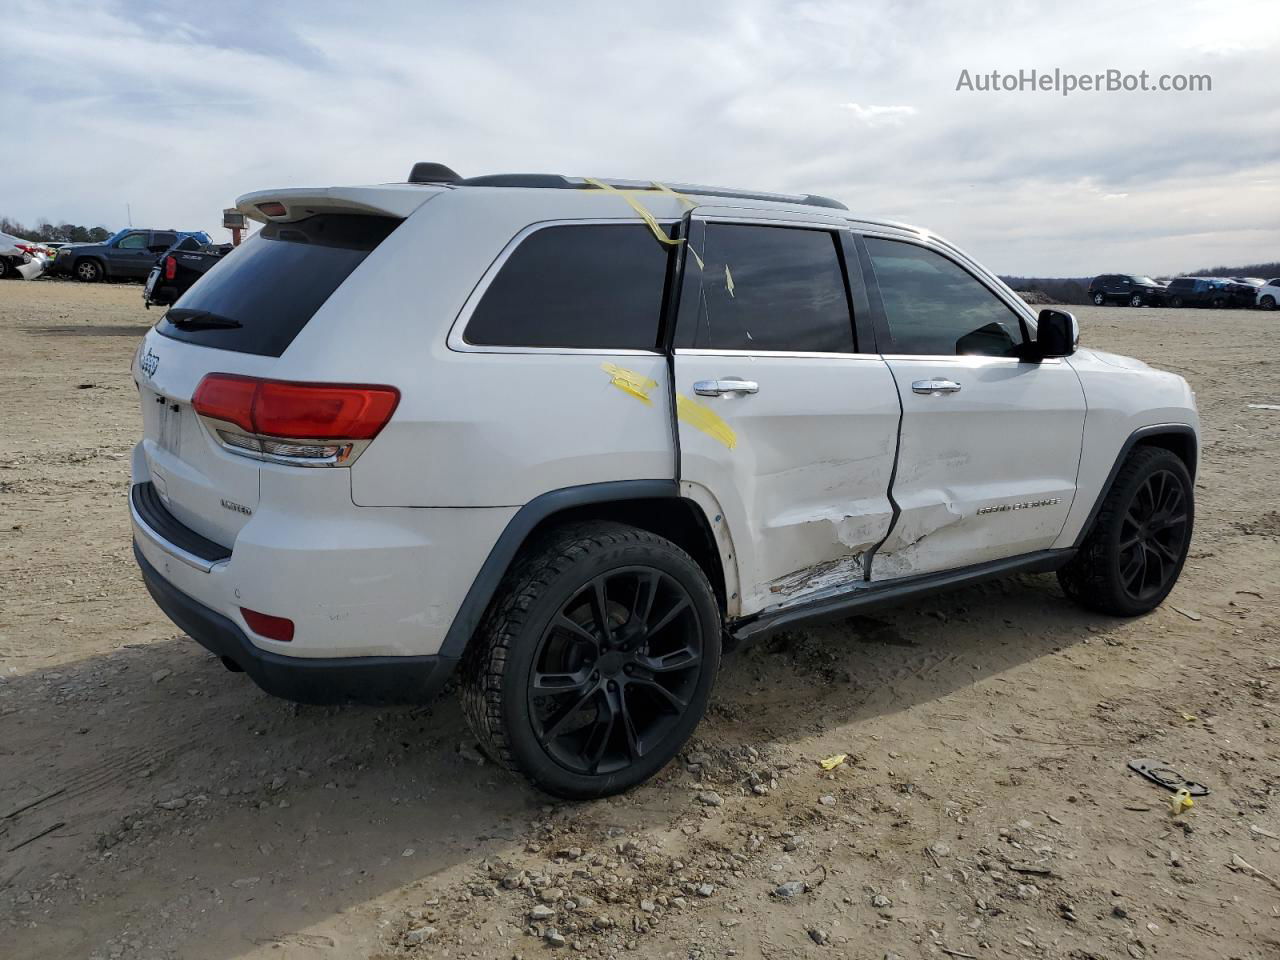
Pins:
x: 1126, y: 288
x: 128, y: 254
x: 1198, y: 292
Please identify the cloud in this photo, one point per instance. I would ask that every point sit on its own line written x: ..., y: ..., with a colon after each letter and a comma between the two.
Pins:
x: 874, y: 116
x: 176, y: 110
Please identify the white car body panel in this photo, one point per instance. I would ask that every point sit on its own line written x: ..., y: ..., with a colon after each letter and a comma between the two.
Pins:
x: 805, y: 485
x: 33, y: 269
x: 1271, y: 290
x: 1124, y: 395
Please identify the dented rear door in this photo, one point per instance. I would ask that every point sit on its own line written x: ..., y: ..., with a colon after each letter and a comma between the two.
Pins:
x: 787, y: 425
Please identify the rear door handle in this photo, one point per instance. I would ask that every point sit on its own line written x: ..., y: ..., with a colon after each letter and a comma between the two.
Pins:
x: 934, y: 387
x: 729, y: 385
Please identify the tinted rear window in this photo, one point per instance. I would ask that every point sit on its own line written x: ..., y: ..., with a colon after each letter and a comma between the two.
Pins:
x: 594, y: 286
x: 262, y: 293
x: 764, y: 288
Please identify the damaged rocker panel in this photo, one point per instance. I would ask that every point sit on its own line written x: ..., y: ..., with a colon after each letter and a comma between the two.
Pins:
x: 863, y: 595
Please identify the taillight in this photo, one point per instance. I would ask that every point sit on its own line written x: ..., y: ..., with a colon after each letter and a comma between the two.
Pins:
x: 310, y: 424
x: 272, y: 208
x: 263, y: 624
x: 170, y: 267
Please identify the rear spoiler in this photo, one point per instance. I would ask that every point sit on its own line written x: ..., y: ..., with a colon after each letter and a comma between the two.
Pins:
x: 296, y: 203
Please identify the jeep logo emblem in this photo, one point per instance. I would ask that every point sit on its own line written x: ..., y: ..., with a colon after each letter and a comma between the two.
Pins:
x: 149, y: 362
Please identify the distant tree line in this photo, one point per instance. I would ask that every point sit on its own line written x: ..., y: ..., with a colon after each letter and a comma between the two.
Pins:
x: 1264, y: 271
x: 45, y: 231
x: 1056, y: 289
x: 1076, y: 289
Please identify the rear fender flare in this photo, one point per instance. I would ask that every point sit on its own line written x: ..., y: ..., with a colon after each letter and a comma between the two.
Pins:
x: 518, y: 529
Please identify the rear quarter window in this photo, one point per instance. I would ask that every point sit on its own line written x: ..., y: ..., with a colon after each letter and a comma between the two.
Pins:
x: 586, y: 286
x: 262, y: 294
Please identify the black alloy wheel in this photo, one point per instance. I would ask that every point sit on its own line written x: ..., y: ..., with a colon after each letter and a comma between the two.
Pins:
x: 1153, y: 536
x: 615, y: 670
x: 595, y: 661
x: 1133, y: 553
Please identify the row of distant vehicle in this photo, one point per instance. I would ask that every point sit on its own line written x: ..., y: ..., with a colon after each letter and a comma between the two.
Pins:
x: 172, y: 260
x: 1138, y: 291
x: 169, y: 260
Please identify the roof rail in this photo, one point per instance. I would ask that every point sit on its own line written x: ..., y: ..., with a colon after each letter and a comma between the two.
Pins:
x: 438, y: 173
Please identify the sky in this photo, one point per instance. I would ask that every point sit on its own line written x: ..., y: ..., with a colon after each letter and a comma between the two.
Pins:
x: 171, y: 111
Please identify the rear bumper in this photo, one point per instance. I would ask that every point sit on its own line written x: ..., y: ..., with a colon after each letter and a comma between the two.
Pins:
x: 411, y: 679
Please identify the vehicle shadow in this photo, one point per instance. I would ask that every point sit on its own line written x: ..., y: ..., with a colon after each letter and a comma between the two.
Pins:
x: 206, y: 818
x: 90, y: 330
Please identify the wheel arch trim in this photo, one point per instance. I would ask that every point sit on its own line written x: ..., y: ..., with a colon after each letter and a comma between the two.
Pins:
x: 516, y: 534
x: 1183, y: 431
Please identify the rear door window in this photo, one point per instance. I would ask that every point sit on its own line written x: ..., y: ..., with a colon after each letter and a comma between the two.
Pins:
x: 764, y: 288
x: 264, y: 291
x: 586, y: 286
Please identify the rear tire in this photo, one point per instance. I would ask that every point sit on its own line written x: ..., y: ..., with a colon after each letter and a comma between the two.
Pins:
x: 1135, y: 550
x: 5, y: 269
x: 88, y: 271
x: 1135, y: 300
x: 595, y: 662
x: 1176, y: 302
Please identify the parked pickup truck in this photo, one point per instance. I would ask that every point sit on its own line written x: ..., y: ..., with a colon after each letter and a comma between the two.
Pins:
x: 178, y: 268
x: 127, y: 254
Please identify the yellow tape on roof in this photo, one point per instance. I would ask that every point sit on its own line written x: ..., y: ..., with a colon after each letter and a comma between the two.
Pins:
x: 648, y: 217
x: 638, y: 207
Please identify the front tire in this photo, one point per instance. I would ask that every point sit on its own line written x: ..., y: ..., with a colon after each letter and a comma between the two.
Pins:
x: 595, y: 662
x: 88, y: 271
x: 1176, y: 302
x: 1099, y: 299
x: 1135, y: 550
x: 5, y: 268
x: 1267, y: 303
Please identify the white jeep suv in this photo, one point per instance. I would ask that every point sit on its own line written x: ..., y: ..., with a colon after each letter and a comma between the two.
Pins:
x: 569, y: 439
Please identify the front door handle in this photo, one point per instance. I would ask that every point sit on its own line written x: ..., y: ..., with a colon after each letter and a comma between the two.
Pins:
x: 934, y: 387
x: 729, y: 385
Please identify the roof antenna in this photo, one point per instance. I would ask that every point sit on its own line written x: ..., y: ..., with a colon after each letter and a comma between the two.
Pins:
x: 426, y: 172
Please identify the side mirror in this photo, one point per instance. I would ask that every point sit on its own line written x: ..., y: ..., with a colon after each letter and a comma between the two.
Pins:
x: 1057, y: 334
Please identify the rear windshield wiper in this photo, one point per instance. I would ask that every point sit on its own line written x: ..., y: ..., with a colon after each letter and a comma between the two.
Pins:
x: 200, y: 318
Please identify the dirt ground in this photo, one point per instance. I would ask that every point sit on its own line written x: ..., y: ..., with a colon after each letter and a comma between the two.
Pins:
x: 984, y: 809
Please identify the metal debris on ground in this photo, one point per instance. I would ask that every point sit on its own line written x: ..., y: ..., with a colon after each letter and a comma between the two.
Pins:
x: 1161, y: 773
